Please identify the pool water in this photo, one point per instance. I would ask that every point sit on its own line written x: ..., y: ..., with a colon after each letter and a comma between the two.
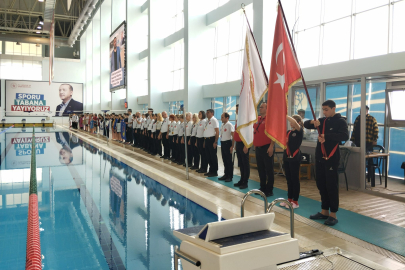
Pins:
x: 95, y: 211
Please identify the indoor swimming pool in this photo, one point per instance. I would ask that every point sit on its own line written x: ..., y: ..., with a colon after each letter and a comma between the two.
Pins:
x: 95, y: 211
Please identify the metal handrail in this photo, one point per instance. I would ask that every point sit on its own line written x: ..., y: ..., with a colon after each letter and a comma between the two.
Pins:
x: 273, y: 203
x: 178, y: 254
x: 250, y: 192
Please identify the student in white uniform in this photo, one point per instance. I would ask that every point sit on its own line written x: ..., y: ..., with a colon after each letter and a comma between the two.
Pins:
x: 170, y: 136
x: 180, y: 140
x: 150, y: 139
x: 188, y: 127
x: 175, y: 131
x: 153, y: 135
x: 158, y: 140
x: 227, y: 130
x: 192, y: 144
x: 211, y: 135
x: 200, y: 142
x: 164, y: 135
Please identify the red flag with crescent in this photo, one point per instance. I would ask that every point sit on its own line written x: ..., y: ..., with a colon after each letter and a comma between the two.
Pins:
x: 284, y: 73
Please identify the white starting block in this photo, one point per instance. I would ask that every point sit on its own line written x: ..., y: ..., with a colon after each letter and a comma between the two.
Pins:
x: 238, y: 244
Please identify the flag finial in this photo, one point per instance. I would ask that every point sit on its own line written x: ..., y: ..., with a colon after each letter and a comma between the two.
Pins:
x: 242, y: 6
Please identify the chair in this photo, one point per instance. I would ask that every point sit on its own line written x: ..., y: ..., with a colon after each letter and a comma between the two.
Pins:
x: 344, y: 158
x: 376, y: 162
x: 305, y: 163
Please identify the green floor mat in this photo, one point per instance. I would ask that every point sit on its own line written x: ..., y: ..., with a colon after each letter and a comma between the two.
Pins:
x: 376, y: 232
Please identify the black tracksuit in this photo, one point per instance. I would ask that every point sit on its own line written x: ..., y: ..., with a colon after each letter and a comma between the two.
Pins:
x: 327, y: 178
x: 292, y: 163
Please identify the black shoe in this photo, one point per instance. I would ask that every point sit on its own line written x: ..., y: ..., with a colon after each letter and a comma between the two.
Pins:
x: 237, y: 184
x: 331, y: 221
x: 194, y: 168
x: 212, y: 174
x: 206, y: 174
x: 318, y: 216
x: 184, y: 164
x: 228, y: 180
x: 263, y: 190
x: 162, y: 157
x: 203, y: 171
x: 243, y: 186
x: 268, y: 194
x: 222, y: 177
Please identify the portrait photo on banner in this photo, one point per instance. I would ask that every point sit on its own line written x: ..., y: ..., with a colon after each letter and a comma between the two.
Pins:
x: 33, y: 98
x: 118, y: 58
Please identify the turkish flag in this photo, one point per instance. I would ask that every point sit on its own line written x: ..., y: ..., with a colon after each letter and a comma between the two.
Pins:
x: 284, y: 73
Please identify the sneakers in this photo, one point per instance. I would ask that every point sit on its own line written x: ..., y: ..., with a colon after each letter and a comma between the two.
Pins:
x: 294, y: 205
x: 283, y: 204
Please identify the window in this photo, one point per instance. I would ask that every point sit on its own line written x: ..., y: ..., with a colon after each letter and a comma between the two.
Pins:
x: 336, y: 41
x: 174, y: 107
x: 397, y: 152
x: 339, y: 94
x: 23, y: 49
x: 177, y: 72
x: 371, y: 34
x: 177, y: 18
x: 396, y: 102
x: 144, y: 87
x: 308, y: 47
x: 230, y: 34
x: 143, y: 38
x: 20, y: 69
x: 300, y: 105
x: 398, y: 27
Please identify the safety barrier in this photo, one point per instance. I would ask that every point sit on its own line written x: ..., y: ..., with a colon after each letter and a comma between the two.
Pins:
x: 33, y: 258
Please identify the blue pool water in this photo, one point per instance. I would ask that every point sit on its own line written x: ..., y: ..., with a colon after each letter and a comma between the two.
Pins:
x: 95, y: 211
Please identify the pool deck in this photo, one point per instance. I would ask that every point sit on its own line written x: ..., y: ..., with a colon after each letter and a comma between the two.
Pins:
x: 226, y: 202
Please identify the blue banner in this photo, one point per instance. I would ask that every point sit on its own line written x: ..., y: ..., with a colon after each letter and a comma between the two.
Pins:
x: 123, y: 130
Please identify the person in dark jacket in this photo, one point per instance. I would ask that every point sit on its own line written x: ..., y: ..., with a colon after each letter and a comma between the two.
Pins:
x: 333, y: 130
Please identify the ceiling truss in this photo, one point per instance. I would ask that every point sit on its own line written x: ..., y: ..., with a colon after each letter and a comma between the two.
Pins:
x: 21, y: 16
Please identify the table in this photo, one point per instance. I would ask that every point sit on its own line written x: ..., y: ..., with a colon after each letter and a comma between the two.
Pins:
x: 385, y: 169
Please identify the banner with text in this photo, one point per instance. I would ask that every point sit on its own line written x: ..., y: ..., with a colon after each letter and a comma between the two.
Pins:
x: 117, y: 58
x: 30, y: 98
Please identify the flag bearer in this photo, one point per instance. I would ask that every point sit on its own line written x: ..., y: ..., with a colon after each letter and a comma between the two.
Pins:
x: 292, y: 159
x: 333, y: 130
x: 264, y: 148
x: 226, y: 134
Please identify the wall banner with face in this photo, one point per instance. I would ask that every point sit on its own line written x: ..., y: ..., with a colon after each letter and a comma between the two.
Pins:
x: 33, y: 98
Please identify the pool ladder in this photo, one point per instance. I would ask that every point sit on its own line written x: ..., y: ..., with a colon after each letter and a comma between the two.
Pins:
x: 268, y: 207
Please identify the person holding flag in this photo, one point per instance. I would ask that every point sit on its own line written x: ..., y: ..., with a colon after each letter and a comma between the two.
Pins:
x: 334, y: 130
x: 254, y: 87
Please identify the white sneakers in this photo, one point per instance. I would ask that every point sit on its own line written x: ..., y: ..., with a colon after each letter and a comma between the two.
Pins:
x: 295, y: 205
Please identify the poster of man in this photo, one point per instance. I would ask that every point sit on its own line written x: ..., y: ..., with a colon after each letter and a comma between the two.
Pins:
x: 117, y: 57
x: 68, y: 105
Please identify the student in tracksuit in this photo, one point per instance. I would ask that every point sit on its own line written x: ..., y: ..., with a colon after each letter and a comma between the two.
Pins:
x: 333, y: 130
x: 226, y: 134
x: 195, y: 162
x: 292, y: 159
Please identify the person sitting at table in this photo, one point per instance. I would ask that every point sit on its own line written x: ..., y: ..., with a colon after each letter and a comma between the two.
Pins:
x: 371, y: 131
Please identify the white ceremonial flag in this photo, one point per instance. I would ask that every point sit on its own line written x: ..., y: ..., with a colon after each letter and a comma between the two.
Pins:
x: 254, y: 87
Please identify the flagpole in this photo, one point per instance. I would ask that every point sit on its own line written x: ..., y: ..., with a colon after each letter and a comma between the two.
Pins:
x: 250, y: 29
x: 296, y: 57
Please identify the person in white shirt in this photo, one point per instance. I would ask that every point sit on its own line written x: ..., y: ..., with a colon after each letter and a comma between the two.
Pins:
x: 175, y: 150
x: 129, y: 127
x: 192, y: 144
x: 138, y: 130
x: 200, y: 142
x: 149, y: 133
x: 180, y: 140
x: 153, y: 135
x: 75, y: 120
x: 211, y: 134
x: 170, y: 137
x: 164, y: 135
x: 188, y: 127
x: 158, y: 139
x: 227, y: 130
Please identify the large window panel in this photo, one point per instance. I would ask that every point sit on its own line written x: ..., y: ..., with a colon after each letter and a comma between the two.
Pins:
x: 362, y: 5
x: 371, y: 34
x: 375, y: 99
x: 337, y: 9
x: 397, y: 152
x: 221, y: 64
x: 338, y: 93
x: 309, y: 13
x: 234, y: 66
x: 398, y: 27
x: 396, y: 105
x: 336, y: 41
x: 308, y: 47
